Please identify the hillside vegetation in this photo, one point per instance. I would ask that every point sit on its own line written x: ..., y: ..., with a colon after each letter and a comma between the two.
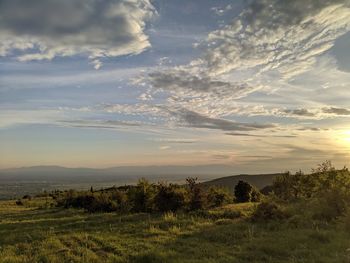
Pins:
x: 305, y: 219
x: 258, y: 180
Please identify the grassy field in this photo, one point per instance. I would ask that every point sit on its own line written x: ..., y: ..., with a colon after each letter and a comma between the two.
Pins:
x: 37, y: 233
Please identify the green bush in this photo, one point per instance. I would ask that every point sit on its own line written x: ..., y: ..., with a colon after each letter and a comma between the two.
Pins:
x: 255, y: 195
x: 268, y: 210
x: 169, y: 198
x: 196, y: 195
x: 121, y: 199
x: 142, y: 196
x: 219, y: 196
x: 245, y: 192
x: 330, y: 206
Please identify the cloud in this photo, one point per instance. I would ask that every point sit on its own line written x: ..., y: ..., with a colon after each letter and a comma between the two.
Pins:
x: 192, y: 119
x: 262, y: 50
x: 186, y: 88
x: 11, y: 117
x: 171, y: 115
x: 299, y: 112
x: 275, y: 35
x: 164, y: 147
x: 221, y: 156
x: 176, y: 140
x: 318, y: 113
x: 44, y: 29
x: 105, y: 124
x: 219, y: 11
x: 337, y: 111
x: 180, y: 81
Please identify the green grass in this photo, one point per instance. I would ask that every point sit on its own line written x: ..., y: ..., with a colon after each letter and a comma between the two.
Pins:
x: 37, y: 233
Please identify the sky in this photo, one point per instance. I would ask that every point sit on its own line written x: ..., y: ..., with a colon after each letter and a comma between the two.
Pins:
x: 260, y: 85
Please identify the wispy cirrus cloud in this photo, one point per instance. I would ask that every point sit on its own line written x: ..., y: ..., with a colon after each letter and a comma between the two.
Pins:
x: 337, y: 111
x: 281, y: 36
x: 261, y: 50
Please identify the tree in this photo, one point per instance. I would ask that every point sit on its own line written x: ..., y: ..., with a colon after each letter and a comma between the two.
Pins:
x: 169, y: 198
x: 142, y: 196
x: 196, y: 194
x: 243, y: 192
x: 290, y: 186
x: 218, y: 197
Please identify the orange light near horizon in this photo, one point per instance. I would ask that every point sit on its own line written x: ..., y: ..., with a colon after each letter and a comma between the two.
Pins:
x: 344, y: 138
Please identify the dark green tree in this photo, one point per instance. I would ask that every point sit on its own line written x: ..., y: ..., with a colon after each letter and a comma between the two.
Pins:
x: 169, y: 198
x: 243, y: 192
x: 196, y: 194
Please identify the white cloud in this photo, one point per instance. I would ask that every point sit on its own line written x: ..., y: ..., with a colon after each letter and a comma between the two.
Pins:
x: 277, y: 35
x: 44, y: 29
x: 268, y: 46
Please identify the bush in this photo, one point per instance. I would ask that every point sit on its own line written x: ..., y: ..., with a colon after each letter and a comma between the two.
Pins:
x: 19, y: 203
x: 197, y: 198
x: 255, y: 196
x: 243, y: 192
x: 121, y: 200
x: 330, y: 206
x: 218, y: 197
x: 142, y: 196
x: 169, y: 198
x: 266, y: 211
x: 100, y: 203
x: 27, y: 197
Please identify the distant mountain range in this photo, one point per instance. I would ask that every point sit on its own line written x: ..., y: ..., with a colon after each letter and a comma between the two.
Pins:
x: 16, y: 182
x: 120, y: 175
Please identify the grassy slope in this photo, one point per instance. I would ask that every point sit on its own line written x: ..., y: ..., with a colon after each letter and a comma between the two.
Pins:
x: 30, y: 234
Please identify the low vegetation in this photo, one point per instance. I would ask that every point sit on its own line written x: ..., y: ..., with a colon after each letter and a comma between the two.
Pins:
x: 303, y: 218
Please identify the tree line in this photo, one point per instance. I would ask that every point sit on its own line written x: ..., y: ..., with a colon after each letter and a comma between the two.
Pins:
x: 160, y: 197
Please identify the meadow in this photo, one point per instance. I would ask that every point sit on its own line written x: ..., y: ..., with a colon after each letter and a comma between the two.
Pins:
x: 304, y: 218
x: 36, y: 232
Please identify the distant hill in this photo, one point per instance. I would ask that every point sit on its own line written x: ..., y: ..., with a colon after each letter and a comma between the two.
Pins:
x: 258, y: 180
x: 31, y: 180
x: 119, y: 175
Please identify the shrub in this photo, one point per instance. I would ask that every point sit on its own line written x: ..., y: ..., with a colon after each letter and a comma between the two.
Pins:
x: 255, y: 195
x: 19, y: 203
x: 267, y: 190
x: 345, y: 220
x: 218, y: 197
x: 121, y: 200
x: 142, y: 196
x: 243, y: 192
x: 266, y: 211
x: 331, y: 206
x: 100, y: 203
x: 27, y: 197
x: 169, y: 198
x: 197, y: 198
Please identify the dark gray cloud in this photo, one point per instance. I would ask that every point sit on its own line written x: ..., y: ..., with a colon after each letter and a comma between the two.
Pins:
x: 196, y: 120
x: 299, y: 112
x: 274, y: 14
x: 337, y: 111
x: 259, y: 135
x: 49, y: 28
x: 316, y: 129
x: 99, y: 124
x: 182, y: 81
